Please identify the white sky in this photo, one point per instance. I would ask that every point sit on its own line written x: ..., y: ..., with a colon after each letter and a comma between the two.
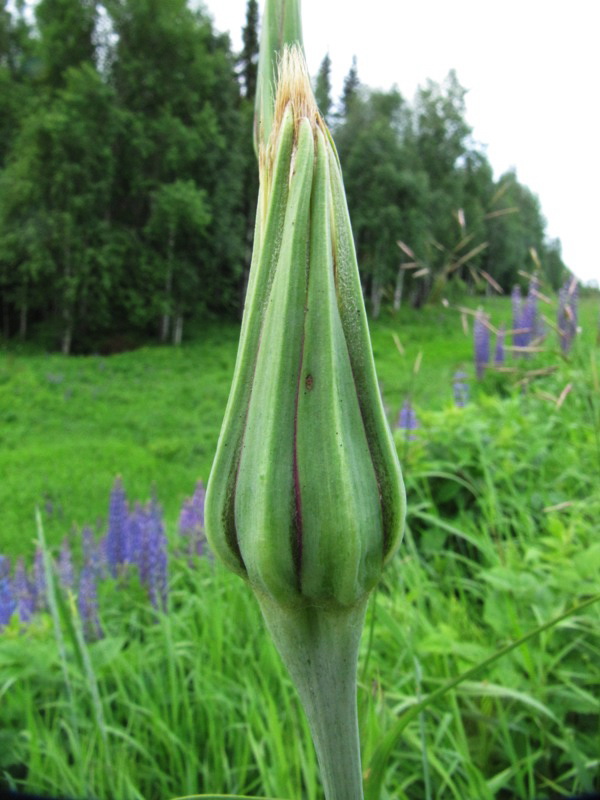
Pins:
x: 531, y: 67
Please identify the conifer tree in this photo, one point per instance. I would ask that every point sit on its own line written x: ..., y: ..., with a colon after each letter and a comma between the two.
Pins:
x: 249, y: 54
x: 323, y: 88
x: 350, y: 89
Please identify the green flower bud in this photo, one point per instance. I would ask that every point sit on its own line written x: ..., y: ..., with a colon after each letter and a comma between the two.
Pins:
x: 305, y: 499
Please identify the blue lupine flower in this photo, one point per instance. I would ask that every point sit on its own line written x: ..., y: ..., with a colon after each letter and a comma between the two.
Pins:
x: 567, y: 314
x: 66, y: 575
x: 94, y: 553
x: 460, y: 389
x: 135, y: 535
x: 39, y: 581
x: 499, y: 350
x: 191, y: 521
x: 7, y: 599
x: 407, y: 420
x: 87, y: 603
x: 517, y: 303
x: 156, y: 556
x: 529, y: 315
x: 116, y: 544
x: 481, y: 336
x: 23, y: 591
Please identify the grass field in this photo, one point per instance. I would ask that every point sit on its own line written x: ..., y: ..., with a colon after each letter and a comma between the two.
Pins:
x: 504, y: 503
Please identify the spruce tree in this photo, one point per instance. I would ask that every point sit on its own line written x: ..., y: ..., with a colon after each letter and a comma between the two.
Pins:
x: 350, y: 89
x: 323, y: 88
x: 249, y: 54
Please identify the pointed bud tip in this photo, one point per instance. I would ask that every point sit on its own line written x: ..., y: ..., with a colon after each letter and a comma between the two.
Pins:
x: 294, y: 89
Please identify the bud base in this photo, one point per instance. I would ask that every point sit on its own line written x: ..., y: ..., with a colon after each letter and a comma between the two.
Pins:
x: 319, y: 647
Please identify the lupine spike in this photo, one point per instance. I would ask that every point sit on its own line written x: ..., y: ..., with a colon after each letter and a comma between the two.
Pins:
x: 407, y: 420
x: 567, y: 314
x: 499, y: 350
x: 87, y: 603
x: 7, y: 599
x: 39, y: 580
x: 23, y: 592
x: 135, y: 535
x: 116, y: 544
x: 529, y: 314
x: 191, y: 521
x: 66, y: 574
x: 481, y: 335
x: 460, y: 389
x: 517, y: 303
x: 156, y: 555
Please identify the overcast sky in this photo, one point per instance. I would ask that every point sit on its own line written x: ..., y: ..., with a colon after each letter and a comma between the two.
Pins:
x: 531, y: 68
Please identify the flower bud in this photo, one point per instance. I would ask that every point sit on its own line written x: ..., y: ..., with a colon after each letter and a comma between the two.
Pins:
x: 305, y: 499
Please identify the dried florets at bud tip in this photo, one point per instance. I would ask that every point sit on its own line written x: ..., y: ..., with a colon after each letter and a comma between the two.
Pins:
x: 294, y: 92
x: 293, y: 86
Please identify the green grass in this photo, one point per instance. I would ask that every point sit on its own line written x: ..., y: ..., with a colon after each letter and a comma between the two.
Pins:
x: 502, y: 536
x: 68, y: 426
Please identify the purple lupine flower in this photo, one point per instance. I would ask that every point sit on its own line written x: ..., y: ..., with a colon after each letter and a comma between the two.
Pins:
x: 102, y: 557
x: 155, y: 546
x: 94, y: 553
x: 460, y: 389
x: 529, y: 322
x: 136, y: 522
x: 499, y: 350
x: 481, y: 336
x: 407, y: 420
x: 7, y: 600
x: 191, y: 521
x: 143, y: 556
x: 23, y: 592
x: 116, y: 544
x: 87, y: 604
x: 66, y: 575
x: 517, y: 303
x: 567, y: 313
x: 39, y: 580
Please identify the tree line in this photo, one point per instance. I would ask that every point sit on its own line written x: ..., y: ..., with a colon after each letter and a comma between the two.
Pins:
x: 128, y: 180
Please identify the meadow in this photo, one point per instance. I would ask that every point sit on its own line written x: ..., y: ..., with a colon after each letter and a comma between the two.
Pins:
x: 502, y: 539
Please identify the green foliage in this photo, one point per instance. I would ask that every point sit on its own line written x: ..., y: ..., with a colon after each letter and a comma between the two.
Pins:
x: 55, y: 204
x: 430, y: 190
x: 68, y: 426
x: 388, y: 198
x: 119, y: 122
x: 66, y: 29
x: 501, y: 539
x: 105, y: 105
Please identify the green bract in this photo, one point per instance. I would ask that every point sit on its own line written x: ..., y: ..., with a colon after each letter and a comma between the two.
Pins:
x: 305, y: 498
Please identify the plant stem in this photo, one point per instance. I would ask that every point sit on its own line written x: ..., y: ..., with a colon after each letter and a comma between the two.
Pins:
x: 320, y: 649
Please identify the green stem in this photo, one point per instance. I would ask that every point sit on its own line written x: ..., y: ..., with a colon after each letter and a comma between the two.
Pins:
x: 281, y: 25
x: 320, y: 649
